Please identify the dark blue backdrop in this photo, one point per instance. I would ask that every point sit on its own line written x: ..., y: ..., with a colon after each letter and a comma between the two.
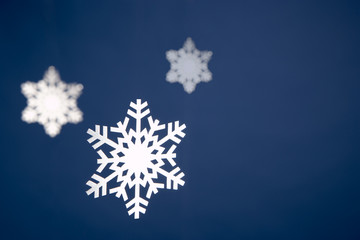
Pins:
x: 272, y: 145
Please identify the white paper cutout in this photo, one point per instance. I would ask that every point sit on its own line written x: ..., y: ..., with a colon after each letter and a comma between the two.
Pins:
x: 51, y: 102
x: 137, y: 158
x: 188, y: 66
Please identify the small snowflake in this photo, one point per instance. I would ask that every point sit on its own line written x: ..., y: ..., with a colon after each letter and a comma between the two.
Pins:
x: 188, y: 66
x: 51, y: 102
x: 137, y: 158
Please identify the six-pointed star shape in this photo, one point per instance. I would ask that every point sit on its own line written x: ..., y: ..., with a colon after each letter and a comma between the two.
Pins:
x: 51, y: 102
x: 188, y: 66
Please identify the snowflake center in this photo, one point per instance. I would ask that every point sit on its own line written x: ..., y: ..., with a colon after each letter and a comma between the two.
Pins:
x: 189, y: 65
x: 138, y: 158
x: 52, y: 103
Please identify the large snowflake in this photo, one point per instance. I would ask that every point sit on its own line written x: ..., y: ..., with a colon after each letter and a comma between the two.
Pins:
x: 51, y: 102
x: 137, y: 158
x: 188, y: 66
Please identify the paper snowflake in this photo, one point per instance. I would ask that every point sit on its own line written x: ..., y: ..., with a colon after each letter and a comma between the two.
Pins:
x: 188, y: 66
x: 139, y: 159
x: 51, y: 102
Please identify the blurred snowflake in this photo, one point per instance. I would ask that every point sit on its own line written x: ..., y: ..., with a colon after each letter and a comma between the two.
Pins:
x: 51, y: 102
x: 137, y: 158
x: 188, y: 66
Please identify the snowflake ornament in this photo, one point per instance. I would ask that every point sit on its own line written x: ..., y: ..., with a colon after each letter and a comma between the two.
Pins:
x: 139, y: 159
x: 188, y: 66
x: 51, y: 102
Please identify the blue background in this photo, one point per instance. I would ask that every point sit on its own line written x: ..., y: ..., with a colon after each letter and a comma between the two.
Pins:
x: 272, y: 145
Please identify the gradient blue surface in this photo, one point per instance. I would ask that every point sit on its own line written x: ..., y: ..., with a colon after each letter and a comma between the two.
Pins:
x: 272, y: 145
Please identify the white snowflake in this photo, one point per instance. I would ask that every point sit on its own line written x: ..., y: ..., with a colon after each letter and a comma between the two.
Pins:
x: 51, y: 102
x: 137, y: 158
x: 188, y: 66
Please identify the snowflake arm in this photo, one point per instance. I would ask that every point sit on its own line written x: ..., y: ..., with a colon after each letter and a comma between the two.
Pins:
x: 103, y: 138
x: 102, y: 182
x: 135, y: 205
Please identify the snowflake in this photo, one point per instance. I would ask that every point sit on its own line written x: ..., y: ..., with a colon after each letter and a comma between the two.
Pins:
x: 51, y: 102
x: 188, y: 66
x: 137, y: 158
